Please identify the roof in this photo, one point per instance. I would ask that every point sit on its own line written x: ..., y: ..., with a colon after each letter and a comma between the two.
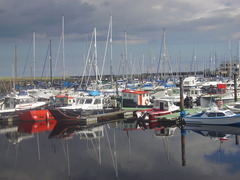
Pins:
x: 134, y: 91
x: 64, y: 96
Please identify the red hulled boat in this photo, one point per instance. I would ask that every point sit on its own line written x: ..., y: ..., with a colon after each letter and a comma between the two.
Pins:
x: 35, y: 115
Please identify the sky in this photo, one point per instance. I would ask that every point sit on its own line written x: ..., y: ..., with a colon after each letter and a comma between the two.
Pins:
x: 192, y: 28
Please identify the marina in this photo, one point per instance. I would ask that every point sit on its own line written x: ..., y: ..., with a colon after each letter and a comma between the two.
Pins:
x: 89, y: 92
x: 90, y: 136
x: 87, y: 135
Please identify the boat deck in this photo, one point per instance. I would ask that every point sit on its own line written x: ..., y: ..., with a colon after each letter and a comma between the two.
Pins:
x: 174, y: 116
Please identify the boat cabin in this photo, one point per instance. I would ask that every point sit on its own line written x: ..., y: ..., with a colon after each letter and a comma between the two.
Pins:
x: 191, y: 81
x: 134, y: 98
x: 16, y: 101
x: 64, y: 100
x: 90, y: 102
x: 162, y: 104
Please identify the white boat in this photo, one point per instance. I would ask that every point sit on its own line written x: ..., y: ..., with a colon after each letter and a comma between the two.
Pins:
x: 94, y: 103
x: 160, y: 107
x: 213, y: 116
x: 172, y: 93
x: 14, y: 102
x: 215, y: 93
x: 91, y: 102
x: 195, y: 93
x: 86, y: 103
x: 190, y: 82
x: 235, y: 107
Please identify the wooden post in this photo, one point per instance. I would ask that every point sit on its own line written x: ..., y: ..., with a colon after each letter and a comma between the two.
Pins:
x: 183, y: 143
x: 183, y: 131
x: 181, y: 94
x: 236, y: 140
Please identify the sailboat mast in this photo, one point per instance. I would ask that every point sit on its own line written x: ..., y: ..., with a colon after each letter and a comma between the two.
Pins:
x: 230, y: 57
x: 14, y: 68
x: 239, y: 56
x: 195, y: 60
x: 125, y: 52
x: 111, y: 52
x: 164, y: 53
x: 34, y: 57
x: 63, y: 54
x: 15, y: 64
x: 50, y: 57
x: 95, y: 53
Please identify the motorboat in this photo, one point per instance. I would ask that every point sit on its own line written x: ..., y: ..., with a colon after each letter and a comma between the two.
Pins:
x: 18, y: 102
x: 213, y: 116
x: 160, y: 107
x: 235, y: 107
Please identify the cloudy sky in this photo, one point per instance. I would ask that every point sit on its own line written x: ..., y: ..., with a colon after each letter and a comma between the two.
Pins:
x: 211, y: 27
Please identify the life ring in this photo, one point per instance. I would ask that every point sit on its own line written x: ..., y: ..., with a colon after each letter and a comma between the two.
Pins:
x: 147, y: 101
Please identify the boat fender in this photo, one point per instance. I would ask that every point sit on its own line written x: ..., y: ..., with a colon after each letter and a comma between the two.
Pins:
x: 183, y: 132
x: 183, y: 113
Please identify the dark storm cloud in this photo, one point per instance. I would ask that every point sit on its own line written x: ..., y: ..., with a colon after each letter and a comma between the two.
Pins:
x: 185, y: 21
x: 19, y: 19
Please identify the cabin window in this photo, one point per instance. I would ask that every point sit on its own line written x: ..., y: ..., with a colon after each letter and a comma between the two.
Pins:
x: 88, y: 101
x: 80, y: 101
x: 220, y: 114
x: 212, y: 115
x: 166, y: 105
x: 83, y: 135
x: 124, y: 95
x: 161, y: 106
x: 229, y: 113
x: 97, y: 101
x: 176, y: 91
x: 90, y: 135
x: 99, y: 133
x: 143, y: 95
x: 129, y: 95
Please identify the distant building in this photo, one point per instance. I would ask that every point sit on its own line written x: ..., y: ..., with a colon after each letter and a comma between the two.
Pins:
x: 228, y: 68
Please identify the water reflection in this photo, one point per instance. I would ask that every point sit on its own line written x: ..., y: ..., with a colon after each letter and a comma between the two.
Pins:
x: 119, y: 149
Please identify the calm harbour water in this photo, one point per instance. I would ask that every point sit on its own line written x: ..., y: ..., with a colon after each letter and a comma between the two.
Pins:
x: 119, y: 153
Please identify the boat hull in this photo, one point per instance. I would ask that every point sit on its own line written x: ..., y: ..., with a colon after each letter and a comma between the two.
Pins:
x: 156, y: 113
x: 234, y: 120
x: 35, y: 115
